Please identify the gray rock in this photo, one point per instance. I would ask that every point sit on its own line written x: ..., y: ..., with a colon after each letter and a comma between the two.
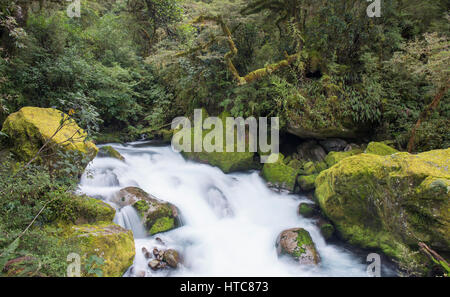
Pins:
x: 333, y: 145
x: 311, y: 151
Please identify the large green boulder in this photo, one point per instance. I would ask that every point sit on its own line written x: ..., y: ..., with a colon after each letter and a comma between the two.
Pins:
x: 279, y: 174
x: 104, y: 240
x: 298, y: 244
x: 389, y: 202
x: 31, y: 127
x: 335, y: 157
x: 158, y: 216
x: 381, y: 149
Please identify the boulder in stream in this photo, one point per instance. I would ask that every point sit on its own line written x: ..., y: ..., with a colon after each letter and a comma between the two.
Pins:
x: 158, y: 216
x: 389, y: 202
x: 298, y: 243
x: 109, y: 151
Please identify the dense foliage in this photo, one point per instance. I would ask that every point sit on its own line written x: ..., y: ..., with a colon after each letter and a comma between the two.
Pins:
x: 128, y: 66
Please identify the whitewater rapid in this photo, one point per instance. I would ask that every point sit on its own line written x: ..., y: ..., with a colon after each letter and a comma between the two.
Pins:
x: 230, y: 221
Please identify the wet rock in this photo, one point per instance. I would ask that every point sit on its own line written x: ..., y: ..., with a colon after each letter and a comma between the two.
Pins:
x: 280, y: 175
x: 219, y: 203
x: 140, y: 273
x: 153, y: 264
x: 146, y: 253
x: 172, y: 258
x: 160, y: 241
x: 298, y: 244
x: 158, y: 216
x: 110, y: 152
x: 307, y: 210
x: 333, y: 145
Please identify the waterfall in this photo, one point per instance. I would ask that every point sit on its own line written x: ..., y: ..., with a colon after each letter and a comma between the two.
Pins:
x: 230, y: 221
x: 128, y: 218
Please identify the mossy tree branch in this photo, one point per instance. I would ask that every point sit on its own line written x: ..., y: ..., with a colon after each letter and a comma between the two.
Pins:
x: 241, y: 80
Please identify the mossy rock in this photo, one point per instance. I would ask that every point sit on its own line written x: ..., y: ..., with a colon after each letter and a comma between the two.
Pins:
x: 158, y: 216
x: 298, y: 243
x: 389, y: 202
x: 109, y: 151
x: 335, y: 157
x: 306, y: 210
x: 380, y: 149
x: 227, y: 162
x: 31, y: 127
x: 81, y: 210
x: 112, y: 243
x: 279, y: 174
x: 307, y: 182
x: 104, y: 138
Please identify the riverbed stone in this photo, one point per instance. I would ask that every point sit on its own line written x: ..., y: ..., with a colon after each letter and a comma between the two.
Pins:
x: 298, y: 244
x: 171, y: 257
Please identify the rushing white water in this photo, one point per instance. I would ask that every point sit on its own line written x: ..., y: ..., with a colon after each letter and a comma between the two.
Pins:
x: 230, y: 222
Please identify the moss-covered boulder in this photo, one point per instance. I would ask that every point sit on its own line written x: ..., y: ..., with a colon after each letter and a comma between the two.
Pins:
x: 158, y: 216
x: 307, y: 210
x: 110, y: 152
x: 31, y: 127
x: 298, y: 243
x: 74, y: 209
x: 227, y: 162
x: 279, y: 174
x: 307, y: 182
x: 107, y: 241
x: 381, y: 149
x: 335, y: 157
x: 389, y: 202
x: 326, y: 228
